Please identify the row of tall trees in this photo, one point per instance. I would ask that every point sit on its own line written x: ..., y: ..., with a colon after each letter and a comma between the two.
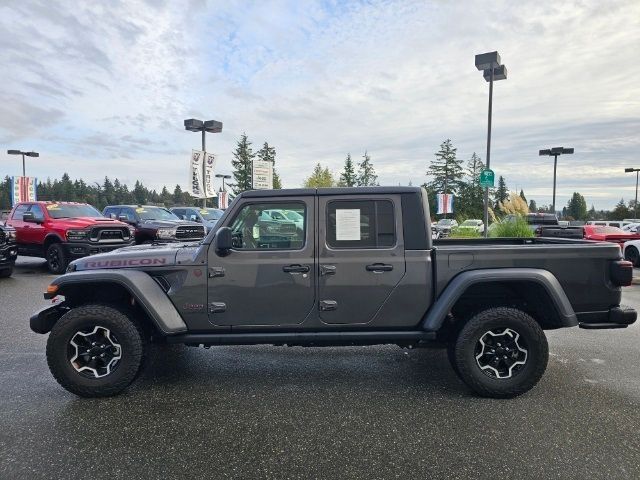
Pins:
x: 242, y: 164
x: 108, y: 192
x: 361, y: 175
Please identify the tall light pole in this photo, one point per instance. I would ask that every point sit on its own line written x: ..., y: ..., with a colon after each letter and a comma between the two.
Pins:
x: 492, y: 70
x: 554, y: 152
x: 27, y: 154
x: 220, y: 175
x: 635, y: 205
x: 211, y: 126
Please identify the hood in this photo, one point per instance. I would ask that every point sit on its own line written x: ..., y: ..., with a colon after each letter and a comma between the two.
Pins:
x: 84, y: 222
x: 140, y: 256
x: 168, y: 223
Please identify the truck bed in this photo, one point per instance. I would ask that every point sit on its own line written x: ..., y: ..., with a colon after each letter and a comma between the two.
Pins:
x: 581, y: 266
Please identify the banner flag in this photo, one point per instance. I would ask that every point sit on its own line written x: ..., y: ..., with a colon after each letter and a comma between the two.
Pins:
x: 209, y: 174
x: 262, y: 175
x: 223, y: 200
x: 196, y: 184
x: 445, y: 203
x: 23, y: 189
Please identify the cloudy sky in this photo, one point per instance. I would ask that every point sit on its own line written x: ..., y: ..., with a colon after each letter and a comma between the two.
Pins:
x: 102, y: 88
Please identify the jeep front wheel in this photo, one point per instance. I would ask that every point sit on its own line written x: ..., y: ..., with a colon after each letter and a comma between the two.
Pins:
x: 501, y: 353
x: 95, y: 351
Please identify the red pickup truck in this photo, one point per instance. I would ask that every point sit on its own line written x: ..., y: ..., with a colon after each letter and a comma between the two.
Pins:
x: 63, y: 231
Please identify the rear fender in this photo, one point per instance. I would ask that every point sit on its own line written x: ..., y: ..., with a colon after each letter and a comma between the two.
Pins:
x: 436, y: 315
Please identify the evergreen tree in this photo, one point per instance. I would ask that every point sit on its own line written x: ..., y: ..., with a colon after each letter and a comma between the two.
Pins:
x: 242, y: 164
x: 592, y: 214
x: 522, y: 195
x: 277, y: 182
x: 178, y: 195
x: 139, y: 193
x: 366, y: 173
x: 620, y: 211
x: 502, y: 193
x: 165, y: 197
x: 446, y: 170
x: 348, y: 177
x: 577, y: 207
x: 470, y: 198
x: 321, y: 177
x: 532, y: 206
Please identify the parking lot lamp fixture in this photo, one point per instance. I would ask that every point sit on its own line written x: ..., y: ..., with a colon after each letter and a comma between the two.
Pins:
x: 635, y: 205
x: 24, y: 154
x: 492, y: 70
x: 554, y: 152
x: 211, y: 126
x: 223, y: 177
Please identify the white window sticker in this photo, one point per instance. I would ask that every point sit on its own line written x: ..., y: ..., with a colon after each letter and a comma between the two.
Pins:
x: 348, y: 224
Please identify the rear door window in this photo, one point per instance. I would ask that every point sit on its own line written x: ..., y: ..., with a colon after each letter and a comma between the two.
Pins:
x: 19, y: 211
x: 360, y: 224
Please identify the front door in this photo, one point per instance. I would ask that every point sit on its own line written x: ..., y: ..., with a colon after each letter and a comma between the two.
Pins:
x: 268, y: 278
x: 361, y: 257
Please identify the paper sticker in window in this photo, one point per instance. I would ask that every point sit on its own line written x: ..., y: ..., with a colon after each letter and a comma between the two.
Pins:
x: 348, y: 224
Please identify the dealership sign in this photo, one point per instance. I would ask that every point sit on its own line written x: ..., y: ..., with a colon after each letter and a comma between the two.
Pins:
x: 262, y: 175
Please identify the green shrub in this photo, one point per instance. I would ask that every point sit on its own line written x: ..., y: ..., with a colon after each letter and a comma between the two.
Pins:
x: 516, y: 227
x: 464, y: 233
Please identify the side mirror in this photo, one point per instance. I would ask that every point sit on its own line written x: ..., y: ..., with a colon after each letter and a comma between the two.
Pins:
x: 223, y: 241
x: 29, y: 217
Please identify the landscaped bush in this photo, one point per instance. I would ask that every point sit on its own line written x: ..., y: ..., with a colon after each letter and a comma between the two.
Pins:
x: 516, y: 227
x: 464, y: 233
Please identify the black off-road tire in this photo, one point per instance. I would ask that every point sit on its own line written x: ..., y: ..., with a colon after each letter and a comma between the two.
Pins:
x: 631, y: 254
x: 6, y: 272
x: 86, y: 317
x: 56, y: 257
x: 498, y: 319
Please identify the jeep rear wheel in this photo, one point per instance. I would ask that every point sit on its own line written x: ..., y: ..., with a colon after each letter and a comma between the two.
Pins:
x: 56, y: 258
x: 500, y: 353
x: 95, y: 351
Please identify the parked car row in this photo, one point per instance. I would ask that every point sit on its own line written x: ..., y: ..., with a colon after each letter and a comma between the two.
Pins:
x: 60, y: 232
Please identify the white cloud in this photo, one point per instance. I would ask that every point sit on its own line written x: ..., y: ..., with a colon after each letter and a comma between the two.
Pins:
x: 112, y: 84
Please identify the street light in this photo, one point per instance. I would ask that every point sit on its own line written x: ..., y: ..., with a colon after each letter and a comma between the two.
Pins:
x: 492, y: 70
x: 211, y: 126
x: 554, y: 152
x: 28, y: 154
x: 220, y: 175
x: 635, y: 205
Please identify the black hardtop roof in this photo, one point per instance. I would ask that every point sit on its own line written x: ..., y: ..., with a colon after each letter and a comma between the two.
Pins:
x: 298, y: 192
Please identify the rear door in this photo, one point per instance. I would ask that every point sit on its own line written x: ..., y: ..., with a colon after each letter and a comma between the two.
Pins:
x: 268, y: 278
x: 361, y: 256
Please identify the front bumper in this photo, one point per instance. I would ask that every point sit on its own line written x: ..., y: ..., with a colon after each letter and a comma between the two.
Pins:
x: 43, y: 320
x: 616, y: 317
x: 84, y: 249
x: 8, y: 255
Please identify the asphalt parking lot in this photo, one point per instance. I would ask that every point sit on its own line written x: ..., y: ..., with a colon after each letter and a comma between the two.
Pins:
x: 276, y: 412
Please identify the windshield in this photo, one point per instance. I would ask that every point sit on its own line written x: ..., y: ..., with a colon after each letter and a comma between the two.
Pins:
x: 293, y: 216
x: 444, y: 221
x: 155, y: 213
x: 61, y: 210
x: 211, y: 213
x: 470, y: 223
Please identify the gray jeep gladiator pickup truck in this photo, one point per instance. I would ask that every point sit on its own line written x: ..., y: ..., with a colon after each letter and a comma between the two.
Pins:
x: 360, y: 269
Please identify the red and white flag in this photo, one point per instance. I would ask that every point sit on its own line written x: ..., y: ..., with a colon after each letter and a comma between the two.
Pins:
x: 223, y: 200
x: 445, y: 203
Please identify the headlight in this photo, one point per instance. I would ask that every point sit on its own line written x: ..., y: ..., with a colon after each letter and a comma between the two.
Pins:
x: 166, y: 233
x: 77, y: 234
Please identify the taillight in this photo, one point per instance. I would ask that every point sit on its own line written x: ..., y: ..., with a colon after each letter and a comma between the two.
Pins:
x: 621, y: 273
